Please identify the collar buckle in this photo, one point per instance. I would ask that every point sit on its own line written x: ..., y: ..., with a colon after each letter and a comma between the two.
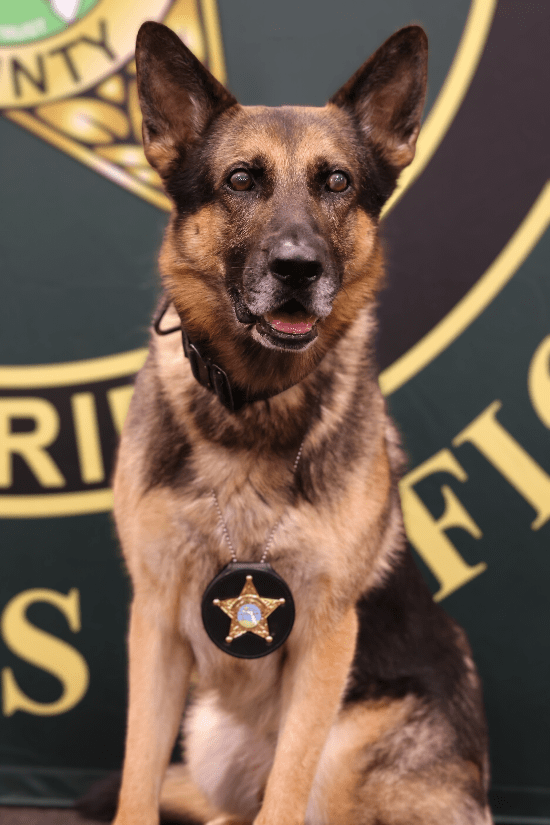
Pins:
x: 208, y: 374
x: 205, y: 371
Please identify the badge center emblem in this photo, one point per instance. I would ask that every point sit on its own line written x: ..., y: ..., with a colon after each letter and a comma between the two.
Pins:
x: 249, y: 615
x: 249, y: 612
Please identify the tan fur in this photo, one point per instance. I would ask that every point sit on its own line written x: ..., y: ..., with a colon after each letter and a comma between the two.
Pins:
x: 180, y: 793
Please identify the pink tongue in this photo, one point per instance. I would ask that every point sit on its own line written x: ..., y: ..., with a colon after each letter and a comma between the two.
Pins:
x: 292, y: 327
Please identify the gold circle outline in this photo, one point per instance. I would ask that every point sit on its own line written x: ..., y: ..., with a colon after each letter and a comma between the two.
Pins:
x: 41, y: 376
x: 476, y: 299
x: 451, y: 94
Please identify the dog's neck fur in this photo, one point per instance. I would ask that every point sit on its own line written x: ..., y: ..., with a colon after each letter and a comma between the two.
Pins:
x: 276, y: 424
x: 207, y: 372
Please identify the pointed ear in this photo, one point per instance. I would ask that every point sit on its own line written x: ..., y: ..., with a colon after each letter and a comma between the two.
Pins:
x: 386, y: 95
x: 178, y: 95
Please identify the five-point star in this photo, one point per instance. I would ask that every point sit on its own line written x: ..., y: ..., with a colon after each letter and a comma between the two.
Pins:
x: 248, y: 612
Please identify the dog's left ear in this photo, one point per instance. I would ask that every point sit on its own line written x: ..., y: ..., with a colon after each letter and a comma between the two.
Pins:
x: 386, y: 95
x: 178, y: 95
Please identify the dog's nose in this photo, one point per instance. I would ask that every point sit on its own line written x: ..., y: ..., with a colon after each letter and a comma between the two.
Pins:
x: 296, y: 263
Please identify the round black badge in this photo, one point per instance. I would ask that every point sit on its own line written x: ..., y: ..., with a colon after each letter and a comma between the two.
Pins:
x: 248, y: 610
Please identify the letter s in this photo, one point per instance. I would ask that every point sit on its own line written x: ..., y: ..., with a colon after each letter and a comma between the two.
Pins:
x: 43, y: 650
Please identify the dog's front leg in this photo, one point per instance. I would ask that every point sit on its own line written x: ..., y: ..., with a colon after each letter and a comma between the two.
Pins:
x: 160, y: 664
x: 313, y: 682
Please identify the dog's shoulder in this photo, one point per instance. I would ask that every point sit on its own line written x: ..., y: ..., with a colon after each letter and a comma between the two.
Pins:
x: 156, y: 439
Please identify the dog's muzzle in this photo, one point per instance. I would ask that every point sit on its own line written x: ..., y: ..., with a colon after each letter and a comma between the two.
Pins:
x: 286, y: 292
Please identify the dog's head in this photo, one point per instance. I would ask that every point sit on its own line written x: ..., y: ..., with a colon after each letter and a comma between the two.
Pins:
x: 272, y: 247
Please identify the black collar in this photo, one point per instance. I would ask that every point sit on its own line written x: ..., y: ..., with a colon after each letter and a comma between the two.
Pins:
x: 205, y: 371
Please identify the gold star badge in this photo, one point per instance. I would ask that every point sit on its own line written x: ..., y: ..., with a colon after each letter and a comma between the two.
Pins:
x: 248, y: 612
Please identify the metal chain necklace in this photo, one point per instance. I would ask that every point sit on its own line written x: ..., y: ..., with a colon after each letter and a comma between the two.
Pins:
x: 234, y: 613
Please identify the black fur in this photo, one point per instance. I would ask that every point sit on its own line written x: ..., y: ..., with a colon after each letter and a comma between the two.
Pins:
x: 167, y: 459
x: 408, y: 644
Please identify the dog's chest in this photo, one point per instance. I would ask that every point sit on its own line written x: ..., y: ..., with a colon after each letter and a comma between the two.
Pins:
x: 217, y: 534
x: 214, y: 537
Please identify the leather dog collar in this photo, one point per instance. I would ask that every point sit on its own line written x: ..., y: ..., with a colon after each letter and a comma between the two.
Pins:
x: 206, y: 372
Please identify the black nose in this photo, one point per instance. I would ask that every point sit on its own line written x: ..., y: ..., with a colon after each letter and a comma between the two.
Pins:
x: 296, y: 263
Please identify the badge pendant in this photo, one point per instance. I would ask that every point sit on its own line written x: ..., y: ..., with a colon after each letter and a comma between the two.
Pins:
x: 248, y: 610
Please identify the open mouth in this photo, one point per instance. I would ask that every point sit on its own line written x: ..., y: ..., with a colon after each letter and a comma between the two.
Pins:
x: 289, y: 327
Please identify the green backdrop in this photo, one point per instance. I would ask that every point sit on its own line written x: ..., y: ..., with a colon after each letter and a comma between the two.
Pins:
x: 464, y: 347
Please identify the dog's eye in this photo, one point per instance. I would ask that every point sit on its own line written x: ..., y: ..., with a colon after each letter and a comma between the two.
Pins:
x: 337, y: 182
x: 241, y: 180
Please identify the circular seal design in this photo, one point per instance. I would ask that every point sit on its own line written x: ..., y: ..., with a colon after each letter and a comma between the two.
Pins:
x: 249, y: 615
x: 248, y: 610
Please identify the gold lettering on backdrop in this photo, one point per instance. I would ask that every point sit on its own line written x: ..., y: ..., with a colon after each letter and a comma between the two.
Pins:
x: 427, y: 533
x: 44, y: 651
x: 64, y: 65
x: 31, y: 446
x: 88, y: 440
x: 101, y: 42
x: 35, y: 76
x: 538, y: 381
x: 510, y: 459
x: 70, y: 59
x: 65, y: 53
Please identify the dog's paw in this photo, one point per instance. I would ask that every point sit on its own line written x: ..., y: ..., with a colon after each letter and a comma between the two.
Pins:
x: 228, y: 820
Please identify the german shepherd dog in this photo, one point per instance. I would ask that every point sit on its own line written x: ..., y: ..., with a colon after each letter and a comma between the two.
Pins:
x: 272, y: 435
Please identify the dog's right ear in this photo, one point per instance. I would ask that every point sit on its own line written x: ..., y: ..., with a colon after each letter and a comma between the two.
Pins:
x: 386, y: 95
x: 178, y: 95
